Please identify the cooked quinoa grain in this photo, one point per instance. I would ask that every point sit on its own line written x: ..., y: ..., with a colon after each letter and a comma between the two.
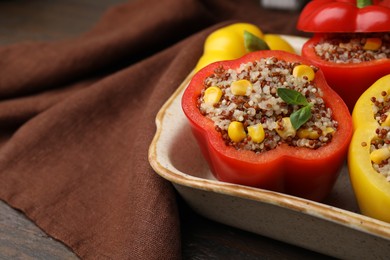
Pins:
x: 354, y: 48
x: 250, y: 115
x: 380, y: 145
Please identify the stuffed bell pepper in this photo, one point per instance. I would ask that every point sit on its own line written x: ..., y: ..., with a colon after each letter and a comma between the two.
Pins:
x: 369, y: 152
x: 269, y: 120
x: 351, y: 43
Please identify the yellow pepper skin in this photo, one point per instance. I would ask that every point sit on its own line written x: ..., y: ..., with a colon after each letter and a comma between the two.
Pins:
x: 275, y: 42
x: 371, y: 189
x: 227, y: 43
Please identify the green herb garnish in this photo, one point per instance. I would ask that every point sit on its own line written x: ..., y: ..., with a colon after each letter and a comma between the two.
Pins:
x: 363, y: 3
x: 293, y: 97
x: 254, y: 43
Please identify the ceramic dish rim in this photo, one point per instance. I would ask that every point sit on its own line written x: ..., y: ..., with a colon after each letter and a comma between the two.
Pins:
x: 327, y: 212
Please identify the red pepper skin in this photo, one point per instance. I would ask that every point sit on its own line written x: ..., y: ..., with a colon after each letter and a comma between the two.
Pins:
x: 349, y: 80
x: 301, y: 172
x: 320, y: 16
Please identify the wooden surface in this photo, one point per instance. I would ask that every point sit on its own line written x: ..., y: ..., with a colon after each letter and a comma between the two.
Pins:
x: 22, y: 20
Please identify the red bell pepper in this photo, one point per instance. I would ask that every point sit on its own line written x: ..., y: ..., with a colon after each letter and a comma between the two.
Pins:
x: 323, y: 16
x: 330, y: 18
x: 349, y: 80
x: 302, y: 172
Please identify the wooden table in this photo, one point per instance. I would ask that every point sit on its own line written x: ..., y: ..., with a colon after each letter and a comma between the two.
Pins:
x: 21, y: 239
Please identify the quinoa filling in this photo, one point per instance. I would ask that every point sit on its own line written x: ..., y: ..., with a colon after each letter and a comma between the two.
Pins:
x: 354, y: 48
x: 249, y: 113
x: 380, y: 144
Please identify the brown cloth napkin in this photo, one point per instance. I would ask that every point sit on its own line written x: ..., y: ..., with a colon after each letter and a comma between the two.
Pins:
x: 77, y: 118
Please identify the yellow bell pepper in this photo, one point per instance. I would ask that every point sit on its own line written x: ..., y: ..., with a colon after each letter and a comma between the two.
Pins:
x: 275, y: 42
x: 372, y: 189
x: 227, y: 43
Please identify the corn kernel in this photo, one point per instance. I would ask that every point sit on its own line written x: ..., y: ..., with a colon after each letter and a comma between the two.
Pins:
x: 308, y: 134
x: 236, y: 131
x: 256, y: 132
x: 301, y: 71
x: 379, y: 155
x: 387, y: 121
x: 286, y: 130
x: 212, y: 95
x: 328, y: 130
x: 241, y: 87
x: 372, y: 44
x: 345, y: 45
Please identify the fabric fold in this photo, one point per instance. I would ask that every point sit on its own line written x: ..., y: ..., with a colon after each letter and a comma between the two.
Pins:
x: 77, y: 118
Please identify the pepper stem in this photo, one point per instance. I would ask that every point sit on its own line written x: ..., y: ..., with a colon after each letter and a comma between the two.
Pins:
x: 363, y: 3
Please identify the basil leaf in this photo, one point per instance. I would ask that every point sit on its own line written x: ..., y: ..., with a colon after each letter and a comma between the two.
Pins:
x: 292, y: 97
x: 299, y: 117
x: 254, y: 43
